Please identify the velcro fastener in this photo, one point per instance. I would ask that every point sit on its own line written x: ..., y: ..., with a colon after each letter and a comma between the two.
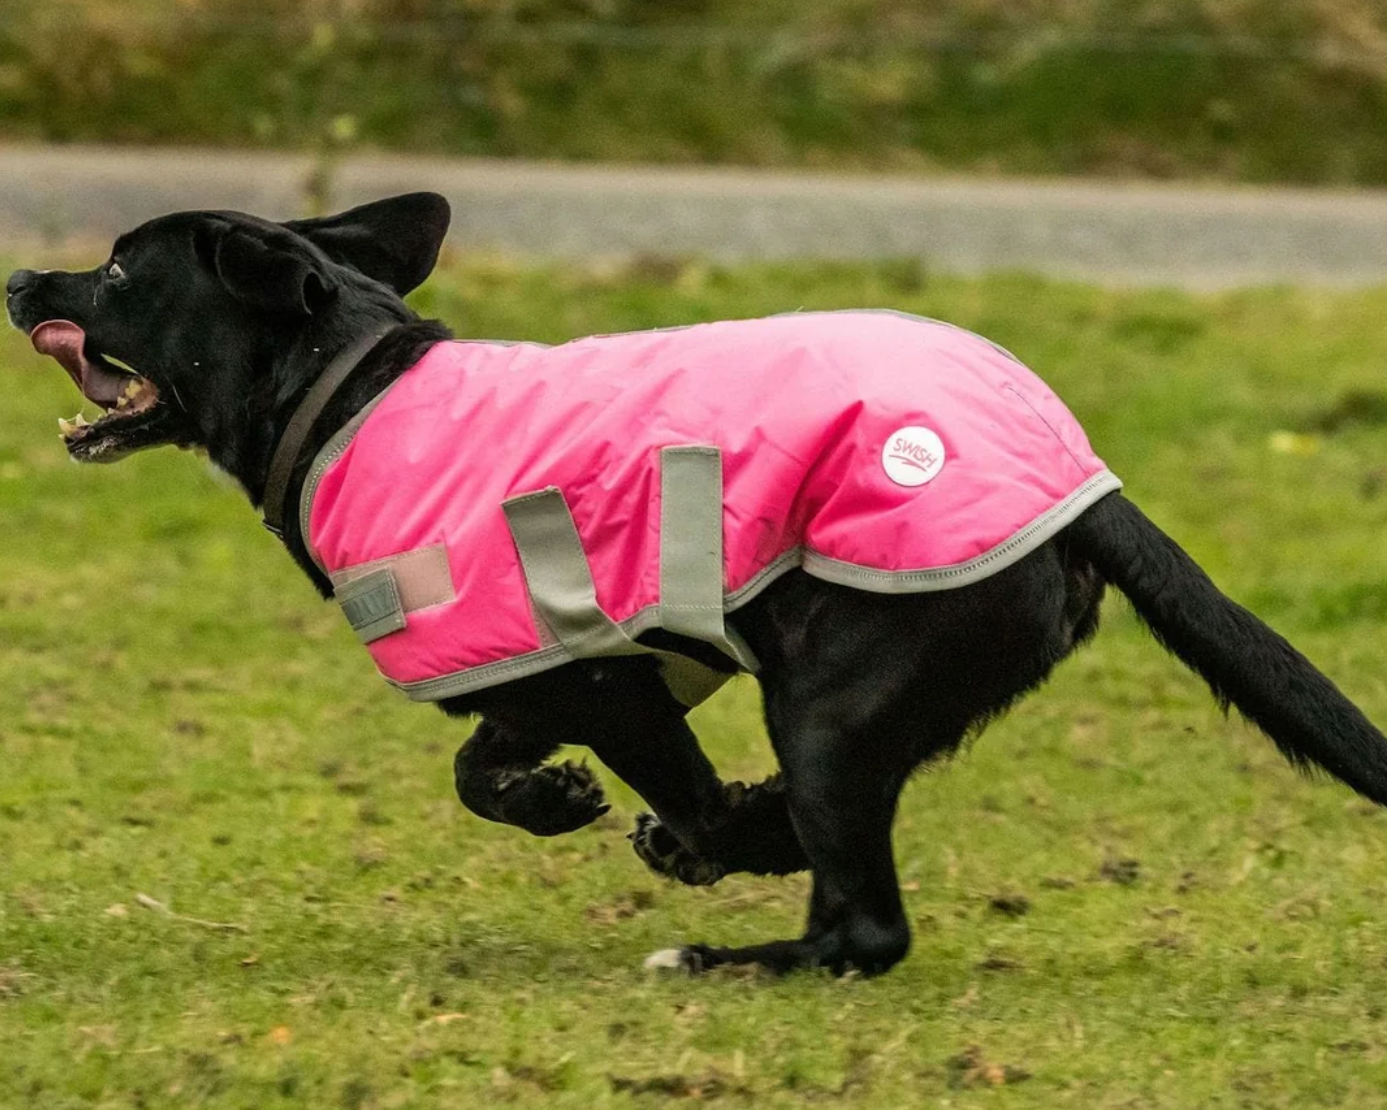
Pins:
x: 372, y: 604
x: 422, y: 576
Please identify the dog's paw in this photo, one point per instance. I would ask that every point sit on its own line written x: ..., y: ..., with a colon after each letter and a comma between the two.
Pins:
x: 662, y: 853
x: 668, y: 959
x: 553, y: 799
x: 692, y: 959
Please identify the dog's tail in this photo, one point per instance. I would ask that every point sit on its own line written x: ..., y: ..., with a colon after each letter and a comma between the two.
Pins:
x: 1243, y: 661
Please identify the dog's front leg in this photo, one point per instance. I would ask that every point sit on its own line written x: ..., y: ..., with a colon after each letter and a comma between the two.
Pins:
x: 500, y: 774
x: 623, y: 711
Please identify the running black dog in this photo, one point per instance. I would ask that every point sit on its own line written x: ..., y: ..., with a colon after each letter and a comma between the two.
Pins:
x: 228, y: 321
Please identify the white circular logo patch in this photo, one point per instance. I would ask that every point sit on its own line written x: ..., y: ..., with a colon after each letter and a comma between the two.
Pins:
x: 912, y: 456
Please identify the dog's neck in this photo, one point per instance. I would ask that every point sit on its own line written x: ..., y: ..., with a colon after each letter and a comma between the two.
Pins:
x: 277, y: 378
x: 301, y: 421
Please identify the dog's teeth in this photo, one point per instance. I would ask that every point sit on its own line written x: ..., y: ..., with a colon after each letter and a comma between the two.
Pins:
x: 70, y: 428
x: 133, y: 390
x: 121, y: 402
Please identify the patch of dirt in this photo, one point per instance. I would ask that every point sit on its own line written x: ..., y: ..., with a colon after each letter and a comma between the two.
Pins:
x: 12, y: 981
x: 1124, y: 872
x: 1010, y: 905
x: 623, y: 908
x: 970, y: 1069
x: 705, y: 1087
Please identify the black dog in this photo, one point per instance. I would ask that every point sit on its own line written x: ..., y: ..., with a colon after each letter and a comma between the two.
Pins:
x: 228, y: 320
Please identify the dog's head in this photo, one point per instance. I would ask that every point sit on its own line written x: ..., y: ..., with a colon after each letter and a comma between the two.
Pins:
x: 202, y: 326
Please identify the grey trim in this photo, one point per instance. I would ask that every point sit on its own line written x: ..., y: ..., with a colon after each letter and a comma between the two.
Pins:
x: 332, y: 449
x: 990, y: 562
x: 559, y: 578
x: 372, y: 605
x: 301, y: 421
x: 691, y: 576
x: 564, y: 596
x: 982, y: 566
x: 738, y: 649
x: 507, y: 670
x: 480, y: 678
x: 763, y: 578
x: 692, y: 579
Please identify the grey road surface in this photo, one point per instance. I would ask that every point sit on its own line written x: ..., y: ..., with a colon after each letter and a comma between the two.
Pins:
x: 1123, y: 233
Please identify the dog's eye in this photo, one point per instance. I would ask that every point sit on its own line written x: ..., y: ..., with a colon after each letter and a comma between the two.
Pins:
x: 114, y: 272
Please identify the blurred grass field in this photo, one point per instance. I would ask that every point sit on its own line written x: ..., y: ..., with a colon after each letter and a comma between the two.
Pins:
x: 1120, y: 899
x: 1227, y: 90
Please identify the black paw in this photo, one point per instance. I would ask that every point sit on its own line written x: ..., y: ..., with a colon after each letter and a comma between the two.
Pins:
x: 663, y: 854
x: 549, y: 800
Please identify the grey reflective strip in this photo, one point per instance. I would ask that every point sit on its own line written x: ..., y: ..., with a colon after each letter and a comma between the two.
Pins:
x: 286, y: 452
x: 691, y: 551
x: 332, y: 449
x: 691, y: 542
x: 680, y: 673
x: 372, y: 605
x: 422, y: 576
x: 560, y: 581
x: 1009, y: 551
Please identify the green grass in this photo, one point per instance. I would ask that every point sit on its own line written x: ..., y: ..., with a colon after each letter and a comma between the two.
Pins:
x: 1257, y: 90
x: 181, y: 719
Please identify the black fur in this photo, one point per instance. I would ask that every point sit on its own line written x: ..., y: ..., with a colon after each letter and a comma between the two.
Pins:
x: 232, y: 317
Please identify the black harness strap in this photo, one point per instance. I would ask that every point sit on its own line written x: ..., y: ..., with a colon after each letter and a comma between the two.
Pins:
x: 301, y: 423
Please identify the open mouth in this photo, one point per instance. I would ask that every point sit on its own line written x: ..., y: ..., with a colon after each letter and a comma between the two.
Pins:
x: 131, y: 403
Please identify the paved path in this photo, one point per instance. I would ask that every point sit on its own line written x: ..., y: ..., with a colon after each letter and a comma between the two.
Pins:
x: 1199, y: 237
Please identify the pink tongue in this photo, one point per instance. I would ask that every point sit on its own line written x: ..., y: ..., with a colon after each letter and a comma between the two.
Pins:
x: 62, y: 340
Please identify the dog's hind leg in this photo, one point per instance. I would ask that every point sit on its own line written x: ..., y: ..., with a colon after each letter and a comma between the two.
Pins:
x: 859, y: 690
x: 841, y: 786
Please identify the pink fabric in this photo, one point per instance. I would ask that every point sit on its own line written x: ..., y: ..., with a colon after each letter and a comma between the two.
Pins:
x: 801, y: 407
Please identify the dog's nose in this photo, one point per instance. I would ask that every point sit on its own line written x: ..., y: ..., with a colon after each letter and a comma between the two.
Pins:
x: 18, y: 281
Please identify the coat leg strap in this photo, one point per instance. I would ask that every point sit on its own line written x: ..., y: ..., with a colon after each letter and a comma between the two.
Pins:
x: 691, y: 550
x: 559, y: 578
x: 564, y: 596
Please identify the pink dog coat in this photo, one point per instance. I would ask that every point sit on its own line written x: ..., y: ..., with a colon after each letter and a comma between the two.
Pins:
x: 505, y: 508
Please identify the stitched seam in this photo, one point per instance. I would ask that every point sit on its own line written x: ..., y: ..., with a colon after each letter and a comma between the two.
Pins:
x: 486, y: 674
x: 1104, y: 481
x: 1048, y: 426
x: 330, y: 454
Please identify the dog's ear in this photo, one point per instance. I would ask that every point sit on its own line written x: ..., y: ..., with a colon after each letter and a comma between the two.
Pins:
x: 269, y: 271
x: 394, y: 241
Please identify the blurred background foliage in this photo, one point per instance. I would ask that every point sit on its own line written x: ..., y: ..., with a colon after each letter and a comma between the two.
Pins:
x: 1243, y: 90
